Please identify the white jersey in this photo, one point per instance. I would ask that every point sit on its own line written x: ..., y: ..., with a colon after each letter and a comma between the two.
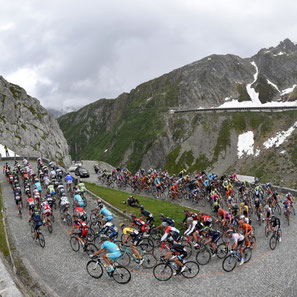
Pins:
x: 64, y: 201
x: 237, y: 237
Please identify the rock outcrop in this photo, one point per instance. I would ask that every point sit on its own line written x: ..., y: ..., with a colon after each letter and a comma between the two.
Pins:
x: 27, y: 128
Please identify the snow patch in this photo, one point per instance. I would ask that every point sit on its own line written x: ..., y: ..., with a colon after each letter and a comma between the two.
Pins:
x: 257, y: 152
x: 3, y: 153
x: 282, y: 152
x: 235, y: 103
x: 279, y: 54
x: 251, y: 91
x: 209, y: 59
x: 245, y: 144
x: 288, y: 91
x: 227, y: 98
x: 274, y: 85
x: 279, y: 138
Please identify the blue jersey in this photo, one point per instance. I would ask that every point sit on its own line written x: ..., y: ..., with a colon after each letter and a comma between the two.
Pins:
x: 68, y: 177
x: 78, y: 200
x: 106, y: 213
x: 110, y: 247
x: 206, y: 183
x: 38, y: 186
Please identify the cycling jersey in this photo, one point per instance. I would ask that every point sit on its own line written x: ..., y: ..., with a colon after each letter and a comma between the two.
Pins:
x: 113, y: 250
x: 64, y: 201
x: 82, y: 187
x: 276, y: 222
x: 169, y: 221
x: 191, y: 228
x: 79, y: 200
x: 106, y: 213
x: 236, y: 237
x: 82, y: 226
x: 68, y: 179
x: 171, y: 231
x: 178, y: 249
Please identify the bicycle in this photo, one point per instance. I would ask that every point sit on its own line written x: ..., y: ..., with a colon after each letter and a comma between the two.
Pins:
x: 164, y: 270
x: 120, y: 274
x: 88, y: 247
x: 205, y: 253
x: 40, y: 236
x: 48, y: 224
x: 231, y: 261
x: 274, y: 239
x: 68, y: 217
x: 149, y: 260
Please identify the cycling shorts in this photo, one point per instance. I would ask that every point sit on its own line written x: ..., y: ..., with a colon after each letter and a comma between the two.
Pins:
x: 47, y: 212
x: 216, y: 238
x: 240, y: 243
x: 80, y: 204
x: 83, y: 232
x: 136, y: 240
x: 69, y: 181
x: 114, y: 256
x: 31, y: 206
x: 17, y: 201
x: 108, y: 218
x: 37, y: 225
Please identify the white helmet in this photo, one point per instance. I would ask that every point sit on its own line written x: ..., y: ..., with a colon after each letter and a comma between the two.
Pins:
x: 242, y: 217
x: 164, y: 224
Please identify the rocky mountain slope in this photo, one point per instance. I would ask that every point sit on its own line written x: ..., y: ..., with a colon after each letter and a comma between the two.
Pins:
x: 27, y: 128
x: 137, y: 130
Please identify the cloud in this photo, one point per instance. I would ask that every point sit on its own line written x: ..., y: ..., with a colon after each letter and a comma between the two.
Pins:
x: 71, y: 52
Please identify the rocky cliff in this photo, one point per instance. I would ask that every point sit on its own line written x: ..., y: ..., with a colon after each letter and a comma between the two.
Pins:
x: 137, y: 130
x: 27, y: 128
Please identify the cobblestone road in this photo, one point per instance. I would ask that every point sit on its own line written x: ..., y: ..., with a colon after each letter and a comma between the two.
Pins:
x: 269, y: 273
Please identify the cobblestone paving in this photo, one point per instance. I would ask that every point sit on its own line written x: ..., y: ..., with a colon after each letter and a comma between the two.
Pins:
x: 269, y: 273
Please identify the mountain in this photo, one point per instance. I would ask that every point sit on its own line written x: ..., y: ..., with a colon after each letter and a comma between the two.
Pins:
x: 137, y: 130
x: 59, y: 112
x: 27, y: 128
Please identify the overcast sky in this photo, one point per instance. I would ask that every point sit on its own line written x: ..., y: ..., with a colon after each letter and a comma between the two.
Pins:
x: 72, y: 52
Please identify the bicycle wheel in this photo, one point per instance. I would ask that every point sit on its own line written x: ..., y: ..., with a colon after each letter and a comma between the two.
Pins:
x: 278, y: 209
x: 273, y: 242
x: 253, y: 242
x: 90, y: 248
x: 203, y: 256
x: 155, y: 234
x: 147, y: 245
x: 229, y: 263
x: 149, y: 260
x: 68, y: 219
x: 49, y: 227
x: 124, y: 259
x: 162, y: 272
x: 91, y: 235
x: 41, y: 240
x: 247, y: 255
x: 74, y: 243
x: 221, y: 251
x: 192, y: 269
x: 266, y: 231
x: 121, y: 275
x: 94, y: 269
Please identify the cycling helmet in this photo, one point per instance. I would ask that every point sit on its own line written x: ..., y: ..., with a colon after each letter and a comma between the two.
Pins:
x: 186, y: 210
x: 229, y: 232
x: 63, y: 194
x: 108, y: 224
x: 99, y: 201
x: 103, y: 237
x: 266, y: 206
x: 77, y: 191
x: 141, y: 207
x: 242, y: 217
x: 100, y: 205
x: 161, y: 215
x: 122, y: 225
x: 246, y: 220
x: 272, y: 218
x: 201, y: 214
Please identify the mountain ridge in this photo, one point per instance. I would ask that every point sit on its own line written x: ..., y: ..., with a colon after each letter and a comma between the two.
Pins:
x: 136, y: 129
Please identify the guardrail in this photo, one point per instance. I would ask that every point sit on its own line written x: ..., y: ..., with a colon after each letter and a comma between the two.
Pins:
x: 236, y: 109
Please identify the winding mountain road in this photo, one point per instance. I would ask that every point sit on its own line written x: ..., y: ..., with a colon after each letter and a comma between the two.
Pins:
x: 269, y: 273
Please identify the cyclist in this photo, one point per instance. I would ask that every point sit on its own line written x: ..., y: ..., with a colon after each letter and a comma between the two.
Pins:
x: 247, y: 231
x: 212, y: 237
x: 83, y: 230
x: 170, y: 232
x: 275, y: 226
x: 193, y: 228
x: 78, y: 201
x: 80, y: 213
x: 178, y: 252
x: 141, y: 225
x: 238, y: 241
x: 258, y: 208
x: 113, y: 252
x: 51, y: 190
x: 69, y: 181
x: 82, y: 187
x: 135, y: 239
x: 31, y: 206
x: 46, y: 211
x: 64, y: 205
x: 18, y: 202
x: 105, y: 214
x: 110, y: 230
x: 36, y: 217
x: 167, y: 220
x: 147, y: 214
x: 244, y: 209
x: 190, y: 215
x: 132, y: 201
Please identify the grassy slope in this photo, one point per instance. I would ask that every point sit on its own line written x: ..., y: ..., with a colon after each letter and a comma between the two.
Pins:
x: 3, y: 243
x: 115, y: 198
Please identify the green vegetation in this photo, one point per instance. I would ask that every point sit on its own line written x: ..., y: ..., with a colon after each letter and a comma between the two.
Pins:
x: 170, y: 160
x: 16, y: 91
x: 116, y: 198
x: 24, y: 126
x: 243, y: 94
x: 265, y: 90
x: 3, y: 244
